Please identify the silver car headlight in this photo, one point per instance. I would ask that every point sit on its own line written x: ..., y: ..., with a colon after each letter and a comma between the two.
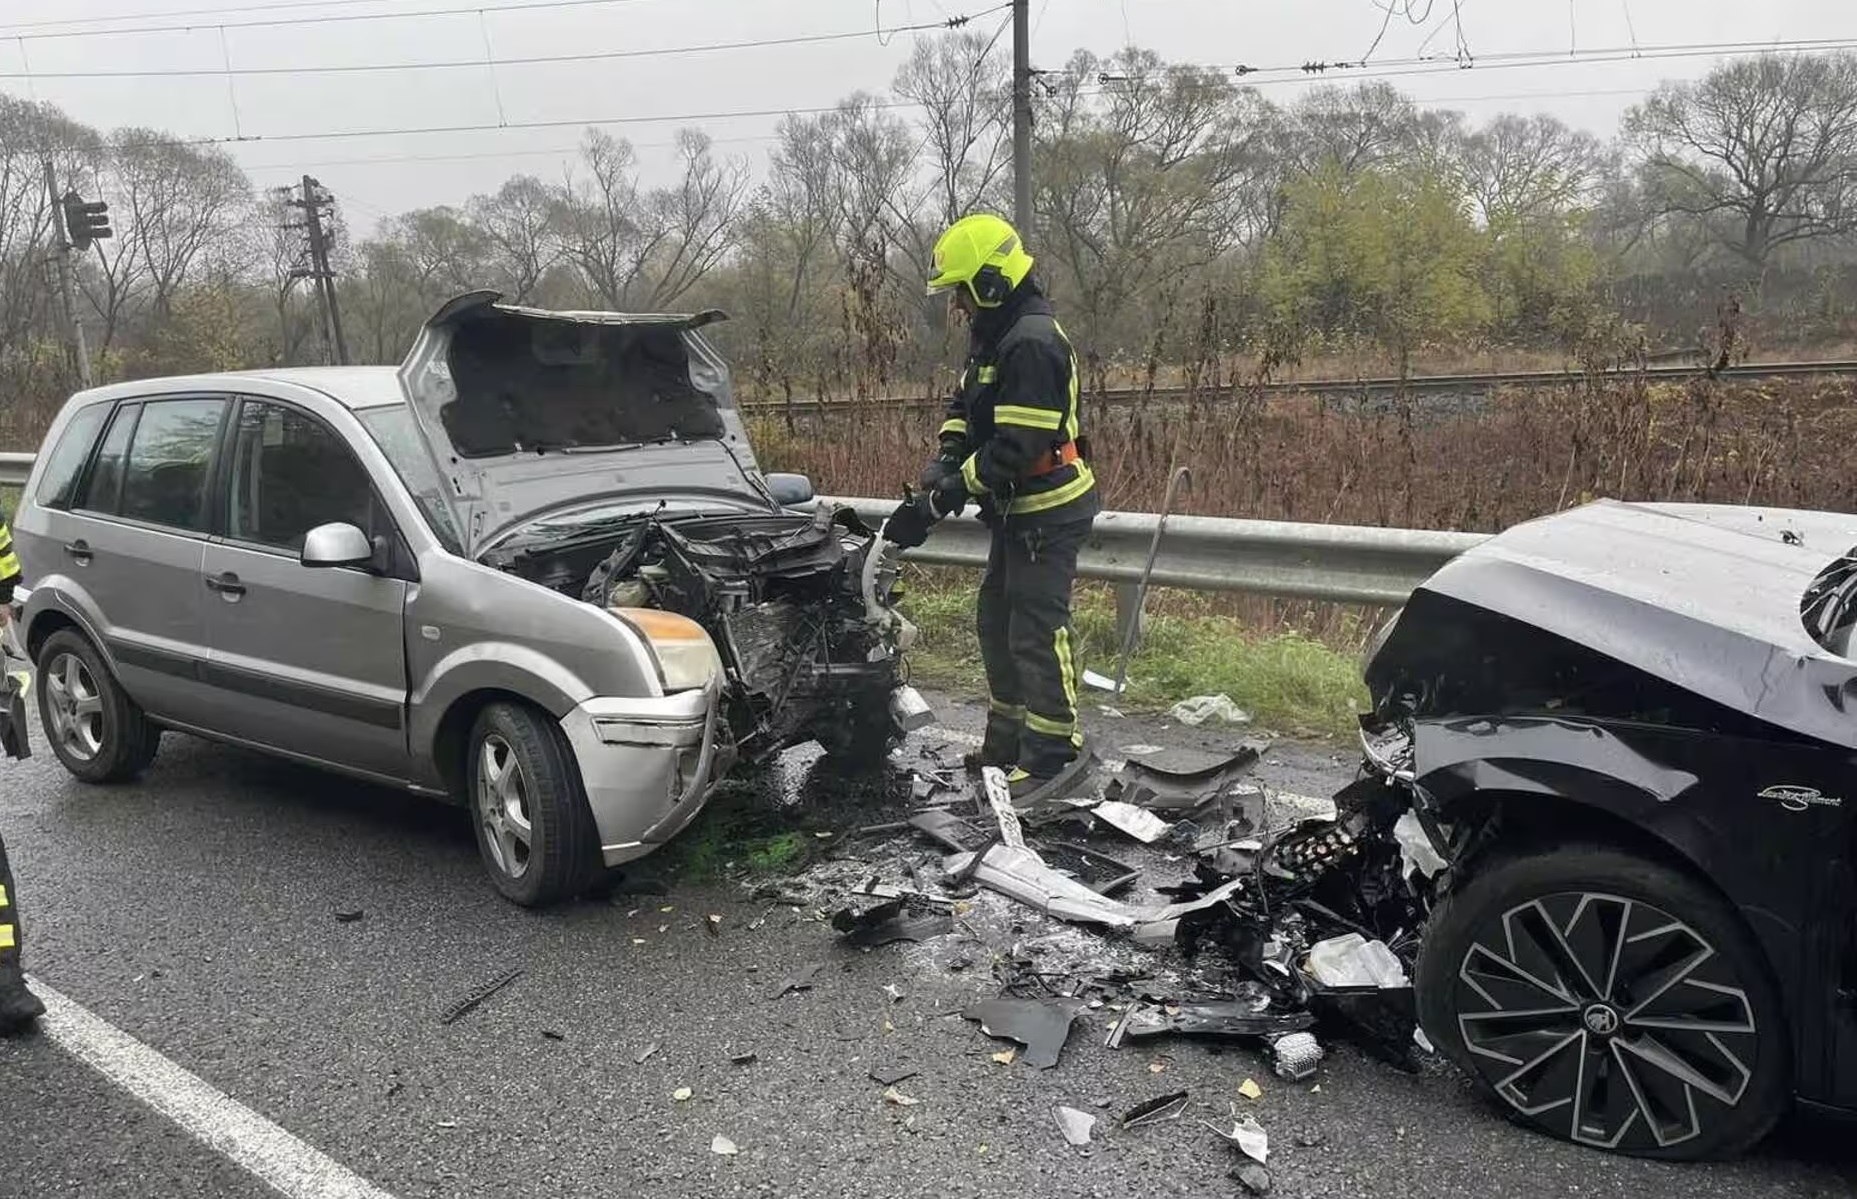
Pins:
x: 686, y: 657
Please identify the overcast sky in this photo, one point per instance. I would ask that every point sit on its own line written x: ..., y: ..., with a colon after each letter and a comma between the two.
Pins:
x: 377, y: 175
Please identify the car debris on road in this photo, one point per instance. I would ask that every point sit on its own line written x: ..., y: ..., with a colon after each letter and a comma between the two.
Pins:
x: 1268, y: 930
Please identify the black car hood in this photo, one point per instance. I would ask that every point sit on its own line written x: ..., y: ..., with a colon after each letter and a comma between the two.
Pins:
x: 1702, y: 598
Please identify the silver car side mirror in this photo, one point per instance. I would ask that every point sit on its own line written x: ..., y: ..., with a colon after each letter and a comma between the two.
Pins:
x: 338, y: 544
x: 789, y: 489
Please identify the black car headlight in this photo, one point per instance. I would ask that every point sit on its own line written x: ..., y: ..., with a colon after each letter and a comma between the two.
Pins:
x: 1378, y: 641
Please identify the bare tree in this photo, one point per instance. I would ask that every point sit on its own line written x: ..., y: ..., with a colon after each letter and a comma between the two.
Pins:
x: 695, y: 220
x: 1136, y: 188
x: 1351, y: 128
x: 1762, y: 151
x: 639, y: 249
x: 963, y: 84
x: 180, y: 202
x: 519, y: 221
x: 1518, y: 168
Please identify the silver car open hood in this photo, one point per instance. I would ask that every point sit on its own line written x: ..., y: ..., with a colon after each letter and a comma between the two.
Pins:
x: 526, y: 411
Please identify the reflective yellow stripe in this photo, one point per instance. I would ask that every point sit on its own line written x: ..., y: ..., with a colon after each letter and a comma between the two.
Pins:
x: 954, y: 426
x: 1057, y: 497
x: 1066, y: 666
x: 1049, y: 727
x: 989, y: 374
x: 9, y: 565
x: 970, y: 474
x: 3, y: 899
x: 7, y: 940
x: 1002, y: 708
x: 1071, y: 421
x: 1030, y: 418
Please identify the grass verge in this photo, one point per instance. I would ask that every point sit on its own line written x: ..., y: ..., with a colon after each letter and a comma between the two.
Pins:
x: 1289, y: 682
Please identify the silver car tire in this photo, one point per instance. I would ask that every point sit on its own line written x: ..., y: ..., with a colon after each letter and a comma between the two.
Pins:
x: 528, y: 807
x: 1609, y: 1000
x: 94, y: 728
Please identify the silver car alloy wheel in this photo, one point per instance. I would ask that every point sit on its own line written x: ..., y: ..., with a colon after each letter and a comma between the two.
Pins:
x: 503, y: 806
x: 76, y: 706
x: 1606, y: 1019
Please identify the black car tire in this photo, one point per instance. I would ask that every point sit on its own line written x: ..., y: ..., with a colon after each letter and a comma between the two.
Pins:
x: 528, y: 807
x: 95, y: 729
x: 1681, y: 982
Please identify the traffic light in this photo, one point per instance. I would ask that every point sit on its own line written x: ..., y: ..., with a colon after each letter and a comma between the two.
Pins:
x: 85, y: 221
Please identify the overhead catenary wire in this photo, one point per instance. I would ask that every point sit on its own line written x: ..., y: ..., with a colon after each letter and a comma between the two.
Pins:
x: 1405, y: 67
x: 14, y: 33
x: 741, y: 114
x: 481, y: 63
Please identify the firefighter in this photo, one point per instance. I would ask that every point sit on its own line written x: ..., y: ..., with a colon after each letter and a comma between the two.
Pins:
x: 19, y: 1007
x: 1011, y: 444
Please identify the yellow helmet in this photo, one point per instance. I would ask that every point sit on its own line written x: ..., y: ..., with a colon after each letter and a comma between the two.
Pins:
x: 983, y: 253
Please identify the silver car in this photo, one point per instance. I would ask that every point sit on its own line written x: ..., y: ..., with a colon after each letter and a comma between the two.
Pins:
x: 535, y: 570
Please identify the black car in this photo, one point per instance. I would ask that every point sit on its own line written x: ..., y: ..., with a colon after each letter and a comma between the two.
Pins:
x: 1630, y: 730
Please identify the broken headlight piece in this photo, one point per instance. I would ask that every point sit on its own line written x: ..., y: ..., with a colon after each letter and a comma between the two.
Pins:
x: 1388, y: 749
x: 1311, y: 851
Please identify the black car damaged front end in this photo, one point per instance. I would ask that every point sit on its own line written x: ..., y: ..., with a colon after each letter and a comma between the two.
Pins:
x: 1617, y: 711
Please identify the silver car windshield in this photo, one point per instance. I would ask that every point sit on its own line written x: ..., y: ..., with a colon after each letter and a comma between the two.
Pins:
x: 398, y: 438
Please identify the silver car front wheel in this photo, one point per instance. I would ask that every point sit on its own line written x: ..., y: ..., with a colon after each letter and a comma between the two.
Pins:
x: 528, y: 806
x: 503, y: 807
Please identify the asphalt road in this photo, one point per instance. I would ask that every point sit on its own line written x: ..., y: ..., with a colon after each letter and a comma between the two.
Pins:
x: 195, y: 911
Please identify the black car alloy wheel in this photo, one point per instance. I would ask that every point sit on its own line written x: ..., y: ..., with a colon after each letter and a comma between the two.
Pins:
x: 1607, y: 1016
x: 1610, y: 1001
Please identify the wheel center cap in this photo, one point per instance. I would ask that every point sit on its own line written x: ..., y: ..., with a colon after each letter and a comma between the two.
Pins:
x: 1601, y: 1020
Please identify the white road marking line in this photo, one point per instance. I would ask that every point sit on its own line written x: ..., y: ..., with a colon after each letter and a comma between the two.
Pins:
x: 292, y: 1167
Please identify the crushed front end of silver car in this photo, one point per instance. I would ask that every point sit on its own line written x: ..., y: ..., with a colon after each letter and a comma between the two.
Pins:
x: 781, y: 596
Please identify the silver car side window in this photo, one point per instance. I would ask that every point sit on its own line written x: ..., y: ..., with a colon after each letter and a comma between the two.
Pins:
x: 164, y: 481
x: 59, y: 479
x: 288, y: 473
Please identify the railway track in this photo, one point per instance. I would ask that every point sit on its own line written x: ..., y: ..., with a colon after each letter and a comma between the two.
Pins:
x: 1422, y: 385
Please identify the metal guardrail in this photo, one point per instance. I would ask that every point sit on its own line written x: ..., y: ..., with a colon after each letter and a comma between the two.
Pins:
x: 1342, y: 563
x: 1420, y: 384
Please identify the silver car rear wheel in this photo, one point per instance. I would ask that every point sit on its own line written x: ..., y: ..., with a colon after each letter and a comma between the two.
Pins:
x: 75, y: 705
x: 96, y: 730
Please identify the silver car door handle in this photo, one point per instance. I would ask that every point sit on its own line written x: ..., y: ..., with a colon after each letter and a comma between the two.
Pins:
x: 79, y: 551
x: 227, y: 585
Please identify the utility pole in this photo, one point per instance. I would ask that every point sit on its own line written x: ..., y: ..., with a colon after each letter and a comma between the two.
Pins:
x: 1022, y: 116
x: 63, y: 236
x: 313, y: 201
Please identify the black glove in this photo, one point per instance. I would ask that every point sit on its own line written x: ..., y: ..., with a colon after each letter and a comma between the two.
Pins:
x: 909, y: 525
x: 935, y: 472
x: 950, y: 494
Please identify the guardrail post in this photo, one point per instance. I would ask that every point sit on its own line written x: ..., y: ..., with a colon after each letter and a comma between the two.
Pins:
x: 1128, y: 612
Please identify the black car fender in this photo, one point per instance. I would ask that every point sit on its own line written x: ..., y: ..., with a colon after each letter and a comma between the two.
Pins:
x: 1544, y: 782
